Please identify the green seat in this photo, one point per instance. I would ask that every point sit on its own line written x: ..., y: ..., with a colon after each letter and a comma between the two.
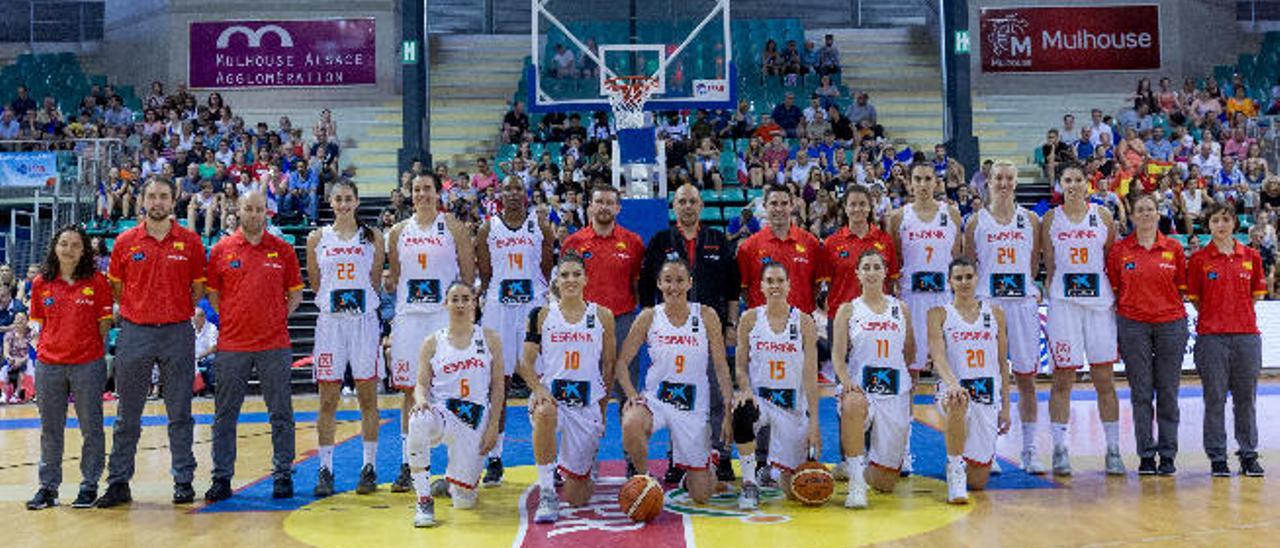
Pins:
x: 1242, y: 238
x: 733, y: 195
x: 713, y: 214
x: 732, y: 212
x: 126, y: 224
x: 753, y: 193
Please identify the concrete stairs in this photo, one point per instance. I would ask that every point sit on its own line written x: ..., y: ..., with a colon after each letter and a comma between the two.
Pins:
x: 473, y: 78
x: 1012, y: 126
x: 888, y: 13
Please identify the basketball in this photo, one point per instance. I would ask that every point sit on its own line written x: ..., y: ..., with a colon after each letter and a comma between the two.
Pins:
x: 641, y: 497
x: 813, y: 484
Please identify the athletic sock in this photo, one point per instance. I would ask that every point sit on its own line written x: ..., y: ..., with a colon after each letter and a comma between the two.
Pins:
x: 1059, y: 431
x: 326, y: 457
x: 855, y: 467
x: 547, y: 476
x: 1029, y: 437
x: 370, y: 453
x: 404, y: 447
x: 1112, y: 432
x: 748, y: 463
x: 422, y: 484
x: 496, y: 453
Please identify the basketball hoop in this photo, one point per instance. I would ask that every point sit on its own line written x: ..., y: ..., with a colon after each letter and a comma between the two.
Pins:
x: 627, y: 96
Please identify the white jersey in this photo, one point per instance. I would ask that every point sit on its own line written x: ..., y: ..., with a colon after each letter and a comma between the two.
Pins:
x: 777, y: 361
x: 515, y: 258
x: 926, y: 249
x: 569, y: 364
x: 973, y: 352
x: 1004, y: 256
x: 876, y: 343
x: 461, y: 373
x: 1079, y: 261
x: 428, y: 264
x: 680, y: 356
x: 345, y: 287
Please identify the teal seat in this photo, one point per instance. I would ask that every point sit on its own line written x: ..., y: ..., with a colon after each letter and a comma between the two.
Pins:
x: 753, y: 193
x: 710, y: 196
x: 733, y: 195
x: 732, y: 212
x: 713, y: 214
x: 126, y: 224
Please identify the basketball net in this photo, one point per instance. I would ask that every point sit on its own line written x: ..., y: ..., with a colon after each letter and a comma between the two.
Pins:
x: 627, y: 96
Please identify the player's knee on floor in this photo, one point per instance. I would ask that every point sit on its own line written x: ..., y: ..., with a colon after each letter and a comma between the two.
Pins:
x: 425, y: 431
x: 744, y: 423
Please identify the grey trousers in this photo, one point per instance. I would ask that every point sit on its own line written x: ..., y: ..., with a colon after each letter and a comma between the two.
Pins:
x: 139, y: 347
x: 1152, y: 354
x: 233, y: 369
x: 53, y: 384
x: 1229, y: 363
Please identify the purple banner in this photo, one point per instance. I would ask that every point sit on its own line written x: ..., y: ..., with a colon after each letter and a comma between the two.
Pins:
x: 275, y: 54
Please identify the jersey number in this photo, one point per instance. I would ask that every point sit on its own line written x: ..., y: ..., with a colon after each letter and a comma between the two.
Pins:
x: 975, y: 358
x: 346, y: 271
x: 465, y: 389
x: 777, y: 370
x: 882, y: 348
x: 680, y: 363
x: 422, y: 260
x: 1079, y: 255
x: 572, y: 360
x: 928, y: 253
x: 1006, y: 255
x: 515, y: 261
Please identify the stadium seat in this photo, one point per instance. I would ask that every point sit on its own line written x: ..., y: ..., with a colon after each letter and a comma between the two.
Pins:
x: 712, y: 214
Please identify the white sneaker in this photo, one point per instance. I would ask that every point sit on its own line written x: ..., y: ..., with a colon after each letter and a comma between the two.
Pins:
x: 426, y: 514
x: 907, y: 461
x: 1031, y: 464
x: 996, y: 470
x: 464, y: 499
x: 857, y: 496
x: 1061, y: 461
x: 548, y: 507
x: 749, y: 498
x: 957, y: 483
x: 1115, y: 463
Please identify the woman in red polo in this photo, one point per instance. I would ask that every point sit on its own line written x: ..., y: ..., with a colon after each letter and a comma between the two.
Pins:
x: 1223, y: 280
x: 1147, y: 270
x: 71, y: 303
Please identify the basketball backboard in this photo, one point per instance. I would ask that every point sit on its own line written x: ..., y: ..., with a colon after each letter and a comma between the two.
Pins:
x: 576, y: 45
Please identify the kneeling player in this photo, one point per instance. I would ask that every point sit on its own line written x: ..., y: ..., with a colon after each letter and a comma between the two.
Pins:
x: 973, y: 393
x: 568, y: 362
x: 777, y: 362
x: 460, y: 373
x: 873, y: 337
x: 682, y: 336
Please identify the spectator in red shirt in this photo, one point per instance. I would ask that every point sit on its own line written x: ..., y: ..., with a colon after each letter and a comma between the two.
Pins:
x: 782, y: 242
x: 1147, y: 270
x: 843, y: 249
x: 72, y: 303
x: 157, y: 273
x: 255, y: 284
x: 1223, y: 280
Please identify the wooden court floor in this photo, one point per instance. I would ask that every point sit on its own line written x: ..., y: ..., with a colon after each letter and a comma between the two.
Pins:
x: 1189, y: 509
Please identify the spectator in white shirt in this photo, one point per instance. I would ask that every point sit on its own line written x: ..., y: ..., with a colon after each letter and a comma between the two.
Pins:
x: 206, y: 346
x: 1068, y: 132
x: 1208, y: 162
x: 565, y: 64
x: 800, y: 170
x: 1098, y: 126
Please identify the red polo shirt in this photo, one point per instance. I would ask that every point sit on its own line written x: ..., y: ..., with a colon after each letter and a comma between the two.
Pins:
x: 842, y: 250
x: 613, y: 266
x: 1148, y: 282
x: 69, y: 316
x: 802, y: 254
x: 156, y: 275
x: 1226, y: 286
x: 252, y: 283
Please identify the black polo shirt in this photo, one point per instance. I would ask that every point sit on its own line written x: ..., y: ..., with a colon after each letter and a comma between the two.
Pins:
x: 715, y: 272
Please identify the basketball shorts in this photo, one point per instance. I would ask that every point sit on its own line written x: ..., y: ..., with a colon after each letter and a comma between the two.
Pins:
x: 1022, y: 322
x: 981, y: 430
x: 918, y: 304
x: 690, y: 433
x: 465, y: 461
x: 580, y: 428
x: 1081, y: 335
x: 510, y: 322
x: 407, y: 333
x: 344, y: 340
x: 788, y: 437
x: 889, y: 421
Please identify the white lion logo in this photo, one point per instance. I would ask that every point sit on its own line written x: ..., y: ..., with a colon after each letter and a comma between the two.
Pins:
x: 1004, y: 33
x: 254, y: 37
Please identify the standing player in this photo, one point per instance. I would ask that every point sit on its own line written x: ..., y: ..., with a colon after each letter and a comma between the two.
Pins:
x: 157, y: 271
x: 777, y: 361
x: 1004, y: 239
x: 514, y: 262
x: 1082, y: 326
x: 568, y: 361
x: 428, y: 251
x: 344, y: 261
x: 927, y: 235
x: 459, y: 375
x: 682, y: 337
x: 872, y: 345
x: 970, y: 356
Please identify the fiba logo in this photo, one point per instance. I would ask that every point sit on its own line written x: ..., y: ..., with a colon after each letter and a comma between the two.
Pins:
x: 254, y: 36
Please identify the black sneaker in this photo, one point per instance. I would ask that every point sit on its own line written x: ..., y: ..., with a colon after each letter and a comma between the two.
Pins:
x: 493, y: 472
x: 368, y: 480
x: 674, y: 474
x: 560, y: 479
x: 1147, y: 466
x: 117, y: 494
x: 1166, y: 467
x: 220, y: 489
x: 404, y: 480
x: 1249, y: 467
x: 324, y: 483
x: 724, y: 470
x: 85, y: 498
x: 45, y: 498
x: 183, y: 493
x: 282, y: 488
x: 1219, y: 469
x: 631, y: 469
